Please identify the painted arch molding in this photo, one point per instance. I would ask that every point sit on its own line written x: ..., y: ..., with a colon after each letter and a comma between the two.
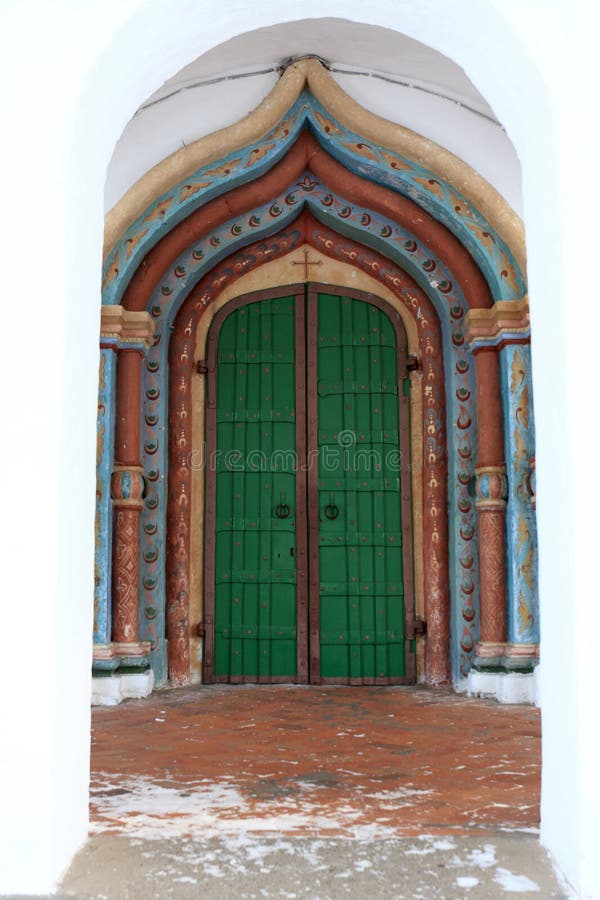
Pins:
x: 312, y: 179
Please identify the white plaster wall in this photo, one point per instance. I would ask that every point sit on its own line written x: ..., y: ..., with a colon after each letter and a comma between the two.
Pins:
x: 440, y: 103
x: 73, y: 75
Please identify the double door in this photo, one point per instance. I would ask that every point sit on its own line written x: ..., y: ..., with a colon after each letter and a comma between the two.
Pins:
x: 308, y: 550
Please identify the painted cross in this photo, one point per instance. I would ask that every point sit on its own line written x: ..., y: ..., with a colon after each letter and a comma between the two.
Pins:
x: 306, y: 262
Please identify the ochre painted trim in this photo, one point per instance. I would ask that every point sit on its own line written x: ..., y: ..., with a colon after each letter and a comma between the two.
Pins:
x: 505, y: 317
x: 309, y: 72
x: 126, y: 326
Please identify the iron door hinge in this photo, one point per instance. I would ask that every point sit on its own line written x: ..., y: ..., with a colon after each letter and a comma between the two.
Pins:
x: 201, y: 367
x: 420, y: 626
x: 203, y: 626
x: 412, y: 363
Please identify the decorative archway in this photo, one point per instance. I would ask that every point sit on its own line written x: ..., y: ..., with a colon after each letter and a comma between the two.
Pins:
x: 387, y: 215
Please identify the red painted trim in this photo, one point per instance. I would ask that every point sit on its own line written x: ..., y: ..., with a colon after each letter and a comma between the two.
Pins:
x: 127, y: 408
x: 307, y: 153
x: 501, y: 345
x: 490, y: 440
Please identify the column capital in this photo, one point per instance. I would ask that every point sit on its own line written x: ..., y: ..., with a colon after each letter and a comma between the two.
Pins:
x: 125, y: 329
x: 506, y: 322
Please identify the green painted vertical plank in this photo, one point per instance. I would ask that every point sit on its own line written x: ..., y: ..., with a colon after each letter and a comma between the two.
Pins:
x: 238, y: 607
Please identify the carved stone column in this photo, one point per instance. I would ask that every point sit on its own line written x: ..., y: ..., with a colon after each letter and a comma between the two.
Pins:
x: 127, y: 489
x: 126, y: 336
x: 505, y: 328
x: 491, y: 508
x: 104, y: 515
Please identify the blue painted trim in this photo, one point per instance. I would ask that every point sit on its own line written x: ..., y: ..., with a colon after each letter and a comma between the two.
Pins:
x: 110, y: 341
x: 521, y: 526
x: 104, y: 513
x: 385, y: 167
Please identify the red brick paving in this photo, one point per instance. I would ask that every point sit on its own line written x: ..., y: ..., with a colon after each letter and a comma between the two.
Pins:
x: 409, y: 760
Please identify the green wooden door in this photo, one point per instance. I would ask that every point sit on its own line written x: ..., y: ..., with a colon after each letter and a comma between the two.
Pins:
x: 307, y: 493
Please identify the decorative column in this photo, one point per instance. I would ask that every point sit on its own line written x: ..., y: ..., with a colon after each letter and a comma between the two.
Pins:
x: 103, y: 523
x: 522, y: 651
x: 491, y: 491
x: 126, y: 336
x: 504, y: 331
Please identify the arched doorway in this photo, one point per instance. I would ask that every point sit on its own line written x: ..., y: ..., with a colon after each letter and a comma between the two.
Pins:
x: 464, y: 292
x: 520, y: 92
x: 309, y: 558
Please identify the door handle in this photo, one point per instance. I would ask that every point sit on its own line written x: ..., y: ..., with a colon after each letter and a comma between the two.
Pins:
x: 282, y: 510
x: 331, y: 510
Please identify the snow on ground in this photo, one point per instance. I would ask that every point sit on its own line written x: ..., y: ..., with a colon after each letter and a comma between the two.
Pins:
x: 143, y: 808
x: 515, y: 884
x: 252, y: 834
x: 140, y: 806
x: 253, y: 830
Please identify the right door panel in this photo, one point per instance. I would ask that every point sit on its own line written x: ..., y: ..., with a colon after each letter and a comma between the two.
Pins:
x: 358, y: 432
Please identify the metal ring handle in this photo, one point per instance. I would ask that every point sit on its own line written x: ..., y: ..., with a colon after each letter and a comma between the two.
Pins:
x: 331, y: 510
x: 282, y: 510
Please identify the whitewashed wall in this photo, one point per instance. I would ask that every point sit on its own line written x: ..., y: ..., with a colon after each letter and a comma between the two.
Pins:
x: 406, y: 82
x: 73, y: 76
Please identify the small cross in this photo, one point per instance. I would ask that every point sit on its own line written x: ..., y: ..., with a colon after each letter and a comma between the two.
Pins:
x: 306, y: 262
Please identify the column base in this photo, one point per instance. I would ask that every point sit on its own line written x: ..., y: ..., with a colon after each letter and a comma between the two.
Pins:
x: 109, y: 657
x: 489, y: 654
x: 519, y: 657
x: 492, y: 657
x: 506, y: 687
x: 111, y: 689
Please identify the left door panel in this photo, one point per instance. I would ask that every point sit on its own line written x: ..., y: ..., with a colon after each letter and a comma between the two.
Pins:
x: 255, y: 503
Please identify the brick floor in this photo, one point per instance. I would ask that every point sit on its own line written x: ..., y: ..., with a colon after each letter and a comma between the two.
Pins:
x: 308, y: 761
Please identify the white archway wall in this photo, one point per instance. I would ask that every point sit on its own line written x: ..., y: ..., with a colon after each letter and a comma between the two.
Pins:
x: 407, y: 82
x: 78, y: 90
